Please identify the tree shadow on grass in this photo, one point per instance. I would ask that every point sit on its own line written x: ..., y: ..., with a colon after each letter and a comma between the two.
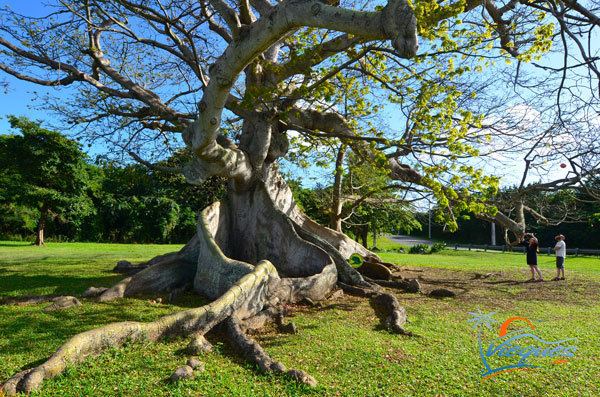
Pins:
x: 31, y: 331
x: 12, y: 284
x: 508, y: 282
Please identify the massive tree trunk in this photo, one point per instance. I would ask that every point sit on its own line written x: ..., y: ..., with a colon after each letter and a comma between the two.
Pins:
x: 41, y: 226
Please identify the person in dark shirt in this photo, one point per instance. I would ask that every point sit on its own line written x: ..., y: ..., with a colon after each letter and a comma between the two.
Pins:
x: 531, y: 244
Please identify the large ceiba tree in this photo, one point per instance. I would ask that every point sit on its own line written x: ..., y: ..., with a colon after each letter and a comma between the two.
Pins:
x: 145, y: 70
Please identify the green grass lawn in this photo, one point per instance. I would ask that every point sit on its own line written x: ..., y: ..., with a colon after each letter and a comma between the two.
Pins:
x: 341, y: 344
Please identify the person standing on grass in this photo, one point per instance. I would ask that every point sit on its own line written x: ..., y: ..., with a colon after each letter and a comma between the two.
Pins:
x: 531, y: 244
x: 561, y: 253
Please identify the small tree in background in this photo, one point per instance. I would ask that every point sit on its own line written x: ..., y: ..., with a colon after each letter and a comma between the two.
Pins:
x: 42, y: 169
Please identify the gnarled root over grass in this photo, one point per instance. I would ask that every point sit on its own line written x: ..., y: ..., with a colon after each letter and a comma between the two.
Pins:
x: 250, y: 289
x: 256, y: 354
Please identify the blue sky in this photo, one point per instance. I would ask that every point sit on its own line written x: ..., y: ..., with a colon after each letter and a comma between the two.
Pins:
x: 18, y: 99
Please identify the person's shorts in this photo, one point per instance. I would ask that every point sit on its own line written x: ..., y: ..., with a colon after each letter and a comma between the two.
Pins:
x: 560, y: 262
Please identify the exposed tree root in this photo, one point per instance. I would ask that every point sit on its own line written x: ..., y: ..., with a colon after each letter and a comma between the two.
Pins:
x: 395, y: 317
x: 93, y: 292
x: 255, y: 323
x: 346, y: 273
x: 367, y: 292
x: 198, y: 345
x: 59, y: 302
x: 375, y: 270
x: 392, y: 266
x: 27, y: 300
x: 408, y: 285
x: 244, y: 294
x: 171, y: 273
x: 256, y: 354
x: 62, y: 303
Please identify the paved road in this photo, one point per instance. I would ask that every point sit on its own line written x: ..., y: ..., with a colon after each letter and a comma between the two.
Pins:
x: 410, y: 240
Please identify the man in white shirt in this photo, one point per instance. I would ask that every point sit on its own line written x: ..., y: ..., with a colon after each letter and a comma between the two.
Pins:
x: 561, y: 253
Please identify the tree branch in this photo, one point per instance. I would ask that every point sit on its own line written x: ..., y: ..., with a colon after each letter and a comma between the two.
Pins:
x: 396, y: 21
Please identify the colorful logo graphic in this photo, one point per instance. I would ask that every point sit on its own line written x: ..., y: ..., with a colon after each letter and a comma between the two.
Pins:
x: 516, y: 347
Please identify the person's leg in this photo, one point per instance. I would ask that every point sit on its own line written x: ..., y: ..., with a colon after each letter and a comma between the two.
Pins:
x: 560, y: 265
x: 557, y: 269
x: 539, y: 272
x: 532, y: 273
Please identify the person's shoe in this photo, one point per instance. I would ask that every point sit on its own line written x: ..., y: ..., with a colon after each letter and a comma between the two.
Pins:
x: 555, y: 279
x: 540, y: 280
x: 562, y: 278
x: 531, y: 280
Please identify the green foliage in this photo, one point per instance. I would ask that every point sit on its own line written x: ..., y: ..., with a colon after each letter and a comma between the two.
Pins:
x: 385, y: 217
x: 419, y: 249
x: 134, y: 204
x: 437, y: 247
x: 41, y: 167
x: 379, y: 209
x: 101, y: 202
x: 17, y: 220
x: 314, y: 202
x: 42, y: 170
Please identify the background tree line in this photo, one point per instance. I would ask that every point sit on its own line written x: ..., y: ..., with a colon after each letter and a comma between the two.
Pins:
x: 48, y: 184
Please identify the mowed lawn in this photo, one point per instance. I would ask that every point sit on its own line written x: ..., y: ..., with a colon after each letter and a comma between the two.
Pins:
x: 341, y: 343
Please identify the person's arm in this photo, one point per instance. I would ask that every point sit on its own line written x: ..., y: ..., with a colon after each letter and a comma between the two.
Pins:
x: 523, y: 242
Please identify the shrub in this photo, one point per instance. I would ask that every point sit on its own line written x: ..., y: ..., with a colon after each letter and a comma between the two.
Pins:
x: 437, y: 247
x: 419, y: 249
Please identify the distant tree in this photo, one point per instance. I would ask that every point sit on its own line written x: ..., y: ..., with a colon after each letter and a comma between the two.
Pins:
x: 364, y: 199
x: 137, y: 204
x: 381, y: 215
x: 315, y: 202
x: 42, y: 169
